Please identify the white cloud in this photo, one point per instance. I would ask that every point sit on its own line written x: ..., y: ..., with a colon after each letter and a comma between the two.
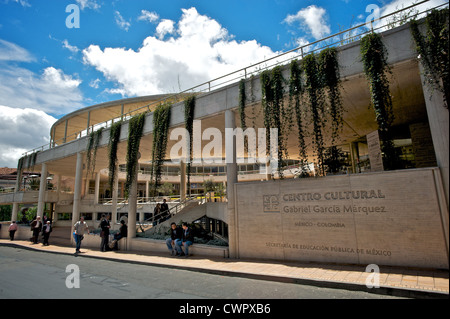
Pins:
x: 121, y: 22
x: 22, y: 130
x: 12, y: 52
x: 52, y: 91
x: 312, y: 18
x: 71, y: 48
x: 199, y: 50
x: 165, y: 27
x: 23, y: 3
x: 148, y: 16
x: 90, y: 4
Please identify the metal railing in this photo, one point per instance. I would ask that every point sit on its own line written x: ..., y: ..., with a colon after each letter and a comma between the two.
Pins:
x: 338, y: 39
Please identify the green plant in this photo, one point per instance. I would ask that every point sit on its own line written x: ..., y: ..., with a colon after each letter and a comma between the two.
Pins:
x: 376, y: 69
x: 331, y: 81
x: 189, y: 109
x: 295, y: 92
x: 135, y: 130
x: 334, y: 159
x: 91, y: 152
x: 166, y: 189
x: 114, y: 137
x: 275, y: 116
x: 434, y: 50
x: 314, y: 90
x: 161, y: 122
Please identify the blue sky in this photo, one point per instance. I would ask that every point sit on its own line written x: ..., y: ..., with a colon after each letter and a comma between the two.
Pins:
x: 135, y: 47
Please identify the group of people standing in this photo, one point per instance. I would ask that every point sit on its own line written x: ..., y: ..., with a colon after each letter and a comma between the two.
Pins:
x: 180, y: 236
x: 81, y: 227
x: 38, y: 226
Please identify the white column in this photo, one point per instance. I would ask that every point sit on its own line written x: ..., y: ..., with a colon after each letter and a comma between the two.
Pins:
x: 97, y: 188
x: 77, y: 190
x: 230, y: 157
x: 42, y: 190
x: 115, y: 195
x: 132, y: 209
x: 15, y: 211
x: 182, y: 180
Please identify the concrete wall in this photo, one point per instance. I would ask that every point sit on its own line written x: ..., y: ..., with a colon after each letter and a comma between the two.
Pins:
x: 386, y: 218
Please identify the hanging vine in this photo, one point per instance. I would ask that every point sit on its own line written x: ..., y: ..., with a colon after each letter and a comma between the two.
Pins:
x: 114, y: 137
x: 91, y: 151
x: 189, y: 109
x: 329, y: 70
x: 295, y: 92
x: 314, y: 90
x: 241, y: 108
x: 272, y: 103
x: 135, y: 130
x: 161, y: 123
x: 374, y: 58
x: 433, y: 49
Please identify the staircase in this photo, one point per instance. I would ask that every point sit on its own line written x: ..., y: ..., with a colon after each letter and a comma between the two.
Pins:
x: 187, y: 211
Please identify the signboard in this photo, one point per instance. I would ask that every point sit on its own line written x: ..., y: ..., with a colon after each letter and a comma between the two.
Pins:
x: 393, y: 218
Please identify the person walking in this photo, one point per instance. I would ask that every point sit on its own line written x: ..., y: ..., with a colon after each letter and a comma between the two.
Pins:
x: 79, y: 228
x: 46, y: 230
x: 12, y: 230
x: 105, y: 226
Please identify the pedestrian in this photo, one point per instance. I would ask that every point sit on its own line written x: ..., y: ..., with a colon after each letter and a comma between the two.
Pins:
x: 46, y: 230
x: 79, y: 228
x: 123, y: 232
x: 36, y: 227
x: 164, y: 210
x: 187, y: 240
x: 156, y: 214
x: 105, y: 226
x: 12, y: 230
x: 176, y: 234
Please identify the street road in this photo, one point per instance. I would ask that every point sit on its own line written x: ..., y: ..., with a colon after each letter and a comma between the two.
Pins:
x: 40, y: 275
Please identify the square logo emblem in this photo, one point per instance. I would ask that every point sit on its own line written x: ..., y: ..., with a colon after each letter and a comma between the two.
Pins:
x: 271, y: 203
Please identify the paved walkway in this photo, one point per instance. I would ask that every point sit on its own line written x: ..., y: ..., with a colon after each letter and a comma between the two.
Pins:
x: 416, y: 283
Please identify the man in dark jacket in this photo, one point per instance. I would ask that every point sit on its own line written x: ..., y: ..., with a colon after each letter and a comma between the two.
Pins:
x: 105, y: 226
x: 46, y: 230
x: 36, y: 227
x: 176, y: 234
x: 187, y: 240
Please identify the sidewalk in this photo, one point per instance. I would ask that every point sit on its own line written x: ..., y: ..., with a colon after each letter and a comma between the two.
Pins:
x: 416, y: 283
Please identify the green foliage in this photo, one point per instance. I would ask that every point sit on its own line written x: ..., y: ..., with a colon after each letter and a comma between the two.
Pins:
x: 316, y: 102
x: 161, y: 123
x: 433, y: 48
x: 166, y: 189
x: 295, y: 93
x: 114, y: 137
x: 374, y: 58
x: 334, y: 159
x: 91, y: 152
x: 189, y: 109
x: 329, y: 70
x: 135, y: 130
x: 275, y: 116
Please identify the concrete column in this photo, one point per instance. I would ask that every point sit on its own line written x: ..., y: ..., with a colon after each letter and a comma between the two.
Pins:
x: 182, y: 180
x: 42, y: 190
x: 147, y: 189
x: 438, y: 119
x: 232, y: 177
x: 77, y: 190
x: 15, y: 211
x: 115, y: 195
x: 132, y: 210
x: 97, y: 188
